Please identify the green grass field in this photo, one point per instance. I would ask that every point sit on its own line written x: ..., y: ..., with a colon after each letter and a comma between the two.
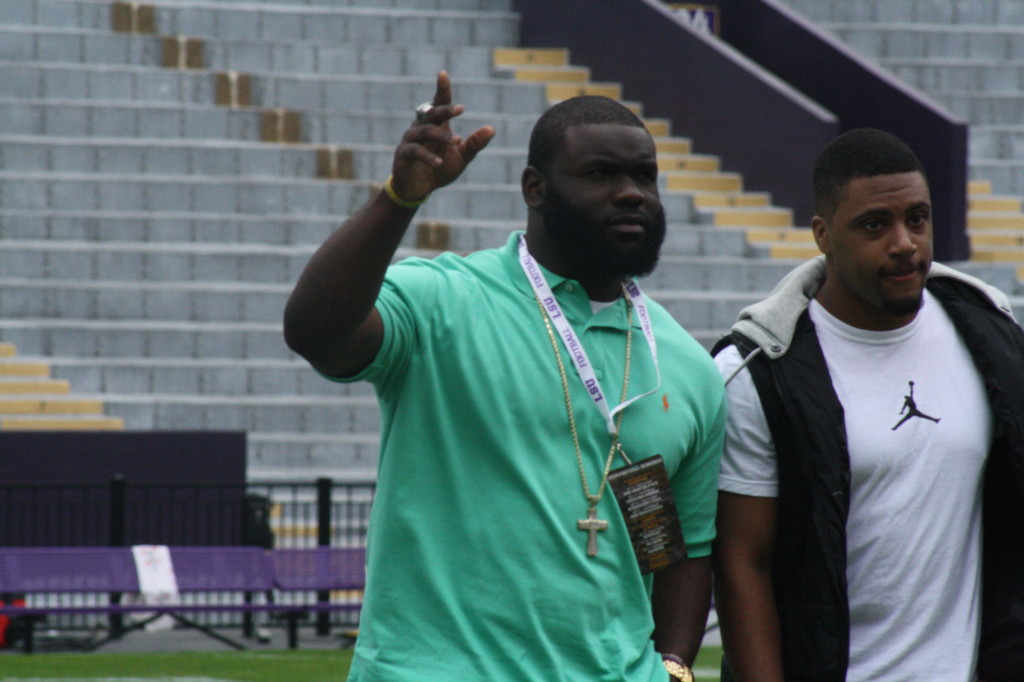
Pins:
x: 209, y: 666
x: 244, y: 666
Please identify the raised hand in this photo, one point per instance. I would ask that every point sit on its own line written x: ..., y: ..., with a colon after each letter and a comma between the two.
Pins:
x: 430, y: 155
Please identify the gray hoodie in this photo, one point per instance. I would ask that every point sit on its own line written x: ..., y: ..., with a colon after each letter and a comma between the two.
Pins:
x: 770, y: 323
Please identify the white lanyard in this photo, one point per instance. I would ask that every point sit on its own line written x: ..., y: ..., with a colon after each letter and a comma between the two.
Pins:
x: 572, y: 342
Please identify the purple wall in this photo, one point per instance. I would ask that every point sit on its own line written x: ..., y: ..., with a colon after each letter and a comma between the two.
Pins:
x: 861, y: 95
x: 96, y: 456
x: 727, y: 105
x: 766, y: 102
x: 178, y: 487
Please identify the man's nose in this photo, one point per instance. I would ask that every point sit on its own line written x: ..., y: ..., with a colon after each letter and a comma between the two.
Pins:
x: 628, y: 191
x: 903, y: 242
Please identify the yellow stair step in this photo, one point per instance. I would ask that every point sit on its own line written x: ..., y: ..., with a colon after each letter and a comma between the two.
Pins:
x: 789, y: 236
x: 754, y: 217
x: 28, y: 386
x: 562, y: 91
x: 8, y: 350
x: 994, y: 221
x: 995, y: 204
x: 723, y: 199
x: 61, y: 424
x: 710, y: 182
x: 997, y: 238
x: 689, y: 162
x: 24, y: 369
x: 1005, y: 254
x: 794, y: 251
x: 672, y: 146
x: 979, y: 187
x: 562, y: 74
x: 28, y: 406
x: 517, y: 56
x: 294, y: 531
x: 658, y: 127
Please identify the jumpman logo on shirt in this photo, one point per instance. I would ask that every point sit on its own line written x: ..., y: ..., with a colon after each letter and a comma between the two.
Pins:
x: 910, y: 407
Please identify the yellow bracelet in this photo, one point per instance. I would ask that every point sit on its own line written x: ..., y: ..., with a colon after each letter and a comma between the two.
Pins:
x: 676, y: 669
x: 389, y: 189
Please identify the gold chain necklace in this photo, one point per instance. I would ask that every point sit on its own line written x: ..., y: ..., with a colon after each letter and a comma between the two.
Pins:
x: 592, y: 524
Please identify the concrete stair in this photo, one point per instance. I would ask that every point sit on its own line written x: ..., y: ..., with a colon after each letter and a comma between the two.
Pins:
x: 718, y: 196
x: 969, y: 57
x: 165, y: 177
x: 166, y: 169
x: 31, y: 399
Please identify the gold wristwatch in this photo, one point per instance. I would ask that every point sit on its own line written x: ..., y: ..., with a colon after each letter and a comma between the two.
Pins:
x: 677, y: 670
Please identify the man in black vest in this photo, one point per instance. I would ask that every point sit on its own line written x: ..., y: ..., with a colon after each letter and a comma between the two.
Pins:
x: 850, y: 548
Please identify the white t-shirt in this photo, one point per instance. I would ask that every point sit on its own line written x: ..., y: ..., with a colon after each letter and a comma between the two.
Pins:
x: 919, y: 427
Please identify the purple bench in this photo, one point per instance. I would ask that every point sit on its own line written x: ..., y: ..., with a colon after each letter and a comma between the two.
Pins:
x: 317, y: 569
x: 247, y: 570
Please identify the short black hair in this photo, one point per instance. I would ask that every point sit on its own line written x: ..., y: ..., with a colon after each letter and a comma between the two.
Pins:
x: 858, y: 153
x: 548, y: 136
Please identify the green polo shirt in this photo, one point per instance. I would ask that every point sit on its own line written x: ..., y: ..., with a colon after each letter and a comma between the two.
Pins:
x: 476, y: 567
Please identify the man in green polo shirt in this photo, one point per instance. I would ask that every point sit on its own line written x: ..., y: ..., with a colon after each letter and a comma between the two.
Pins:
x: 550, y: 437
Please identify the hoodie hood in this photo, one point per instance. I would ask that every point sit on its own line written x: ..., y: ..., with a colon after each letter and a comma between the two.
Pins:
x: 770, y: 323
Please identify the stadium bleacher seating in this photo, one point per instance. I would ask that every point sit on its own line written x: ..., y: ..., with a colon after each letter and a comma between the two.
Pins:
x: 969, y: 58
x: 166, y: 168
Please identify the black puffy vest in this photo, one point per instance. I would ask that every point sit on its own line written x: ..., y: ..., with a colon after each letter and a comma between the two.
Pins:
x: 807, y: 425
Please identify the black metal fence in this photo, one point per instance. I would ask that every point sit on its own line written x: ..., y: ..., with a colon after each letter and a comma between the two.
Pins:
x: 123, y: 512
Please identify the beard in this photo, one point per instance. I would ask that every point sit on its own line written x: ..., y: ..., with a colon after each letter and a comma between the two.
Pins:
x: 593, y: 252
x: 901, y: 307
x: 908, y: 303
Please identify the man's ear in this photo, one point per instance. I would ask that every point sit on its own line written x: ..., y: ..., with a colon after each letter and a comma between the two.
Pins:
x: 821, y: 234
x: 533, y: 185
